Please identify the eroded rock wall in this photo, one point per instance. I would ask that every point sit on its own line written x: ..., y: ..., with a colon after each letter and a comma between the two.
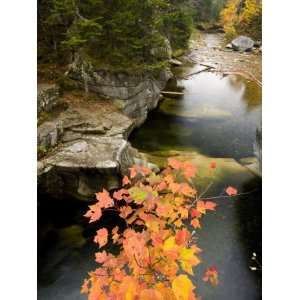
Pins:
x: 134, y: 94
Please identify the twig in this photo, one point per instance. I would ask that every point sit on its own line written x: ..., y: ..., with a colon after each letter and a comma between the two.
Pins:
x: 225, y: 196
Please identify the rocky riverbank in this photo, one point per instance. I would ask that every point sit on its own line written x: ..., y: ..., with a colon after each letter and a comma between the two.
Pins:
x: 83, y: 147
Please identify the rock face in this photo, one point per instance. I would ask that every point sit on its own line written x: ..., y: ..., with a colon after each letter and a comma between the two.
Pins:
x: 135, y: 95
x: 92, y: 152
x: 242, y: 43
x: 258, y: 146
x: 47, y: 97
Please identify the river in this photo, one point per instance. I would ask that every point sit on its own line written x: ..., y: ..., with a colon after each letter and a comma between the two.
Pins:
x: 215, y: 120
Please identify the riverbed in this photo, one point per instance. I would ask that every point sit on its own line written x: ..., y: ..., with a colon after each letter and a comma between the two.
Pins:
x: 215, y: 119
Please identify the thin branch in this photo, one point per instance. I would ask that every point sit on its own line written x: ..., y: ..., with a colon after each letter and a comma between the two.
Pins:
x: 225, y: 196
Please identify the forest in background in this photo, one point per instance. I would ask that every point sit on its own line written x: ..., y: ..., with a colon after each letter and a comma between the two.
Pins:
x: 129, y: 34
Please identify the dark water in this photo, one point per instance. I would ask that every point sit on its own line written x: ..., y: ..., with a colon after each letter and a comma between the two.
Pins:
x: 216, y: 117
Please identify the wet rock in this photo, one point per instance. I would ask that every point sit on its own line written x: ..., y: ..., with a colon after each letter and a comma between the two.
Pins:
x: 252, y: 164
x: 226, y: 168
x: 242, y: 43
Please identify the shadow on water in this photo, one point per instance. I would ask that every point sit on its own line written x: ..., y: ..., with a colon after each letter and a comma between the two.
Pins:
x: 65, y: 247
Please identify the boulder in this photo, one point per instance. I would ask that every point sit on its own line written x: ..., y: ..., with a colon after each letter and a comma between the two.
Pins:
x: 91, y: 154
x: 242, y: 43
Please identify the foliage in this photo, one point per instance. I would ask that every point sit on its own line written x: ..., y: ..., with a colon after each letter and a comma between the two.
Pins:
x: 242, y: 17
x: 119, y: 33
x: 157, y: 250
x: 176, y: 23
x: 207, y: 10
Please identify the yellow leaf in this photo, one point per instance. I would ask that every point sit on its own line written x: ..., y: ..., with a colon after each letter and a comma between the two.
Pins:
x: 182, y: 287
x: 170, y: 244
x: 166, y: 292
x: 188, y: 260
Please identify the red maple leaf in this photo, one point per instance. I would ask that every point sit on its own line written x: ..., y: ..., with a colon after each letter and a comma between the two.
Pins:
x: 209, y: 205
x: 101, y: 237
x: 104, y: 199
x: 133, y: 172
x: 101, y: 257
x: 174, y: 163
x: 231, y: 191
x: 195, y: 223
x: 125, y: 180
x: 189, y: 170
x: 94, y: 213
x: 182, y: 237
x: 119, y: 194
x: 125, y: 211
x: 211, y: 275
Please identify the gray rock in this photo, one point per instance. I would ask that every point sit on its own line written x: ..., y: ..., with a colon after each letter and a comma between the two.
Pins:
x: 47, y: 97
x: 86, y: 159
x: 242, y: 43
x: 134, y: 94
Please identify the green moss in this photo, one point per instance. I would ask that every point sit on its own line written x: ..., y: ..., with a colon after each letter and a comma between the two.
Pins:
x: 41, y: 151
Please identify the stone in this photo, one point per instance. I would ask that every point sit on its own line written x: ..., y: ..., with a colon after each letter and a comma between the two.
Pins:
x: 229, y: 46
x: 86, y: 159
x: 133, y: 94
x: 242, y: 43
x: 47, y: 97
x: 49, y: 134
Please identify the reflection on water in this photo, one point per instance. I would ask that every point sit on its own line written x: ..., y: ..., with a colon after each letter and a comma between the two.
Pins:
x: 217, y: 116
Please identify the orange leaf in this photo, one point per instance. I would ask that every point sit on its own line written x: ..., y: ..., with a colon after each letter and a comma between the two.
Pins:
x: 119, y: 194
x: 189, y: 170
x: 195, y: 213
x: 125, y: 211
x: 195, y: 223
x: 85, y: 287
x: 201, y: 207
x: 104, y: 199
x: 231, y: 191
x: 133, y: 172
x: 125, y: 180
x: 182, y: 237
x: 101, y: 257
x: 101, y: 237
x: 94, y: 213
x: 213, y: 164
x: 174, y: 163
x: 151, y: 294
x: 209, y: 205
x: 211, y: 275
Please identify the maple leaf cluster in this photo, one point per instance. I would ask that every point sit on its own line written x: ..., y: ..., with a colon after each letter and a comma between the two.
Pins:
x: 157, y: 250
